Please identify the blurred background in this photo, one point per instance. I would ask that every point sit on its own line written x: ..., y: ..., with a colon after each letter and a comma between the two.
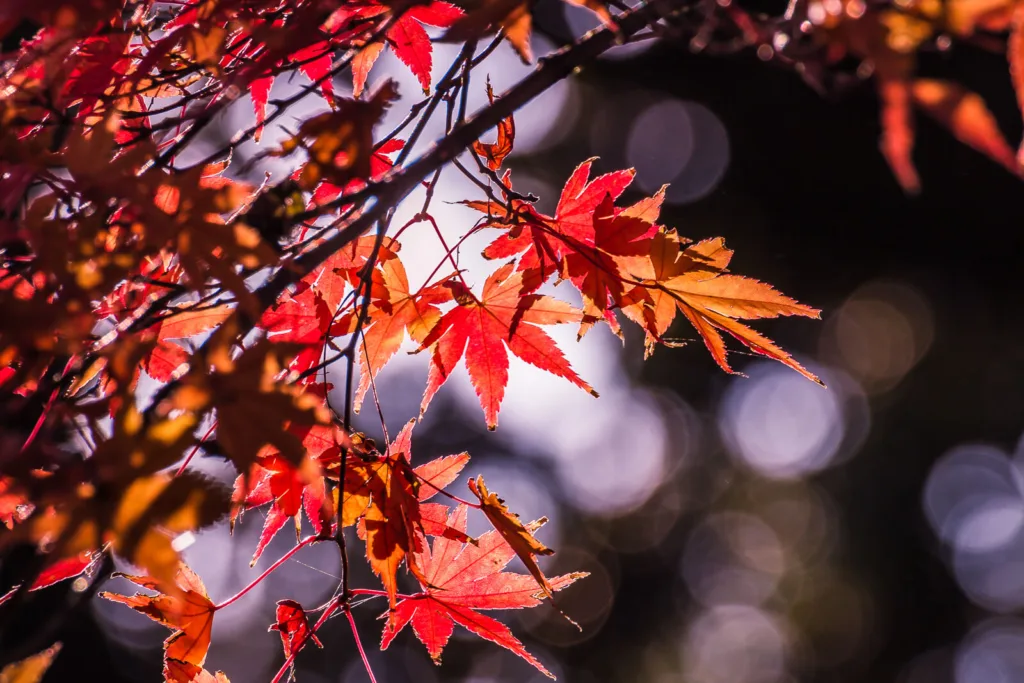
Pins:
x: 752, y: 529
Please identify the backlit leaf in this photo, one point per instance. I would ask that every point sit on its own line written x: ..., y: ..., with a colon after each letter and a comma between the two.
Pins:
x: 481, y: 329
x: 461, y: 579
x: 189, y: 614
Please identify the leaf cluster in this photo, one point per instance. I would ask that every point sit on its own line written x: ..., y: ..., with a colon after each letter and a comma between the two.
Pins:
x: 129, y: 250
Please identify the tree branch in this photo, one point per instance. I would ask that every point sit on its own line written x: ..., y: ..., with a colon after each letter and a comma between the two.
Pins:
x: 400, y: 183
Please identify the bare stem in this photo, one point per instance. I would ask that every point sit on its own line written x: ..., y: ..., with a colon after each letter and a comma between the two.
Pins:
x: 284, y: 558
x: 359, y: 643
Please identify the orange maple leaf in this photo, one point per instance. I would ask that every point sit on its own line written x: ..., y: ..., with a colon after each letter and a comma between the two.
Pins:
x: 389, y: 492
x: 693, y: 280
x: 190, y: 614
x: 543, y: 240
x: 494, y: 153
x: 31, y: 669
x: 519, y: 537
x: 289, y: 489
x: 392, y: 315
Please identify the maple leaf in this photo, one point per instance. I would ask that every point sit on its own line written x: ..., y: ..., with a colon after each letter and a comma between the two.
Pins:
x: 544, y: 240
x: 494, y: 153
x: 192, y: 321
x: 164, y: 360
x: 31, y: 669
x: 693, y: 280
x: 385, y: 496
x: 392, y: 315
x: 253, y: 407
x: 965, y: 115
x: 310, y: 315
x: 61, y: 570
x: 481, y: 329
x: 189, y: 613
x: 290, y: 489
x: 515, y: 533
x: 620, y: 245
x: 888, y: 39
x: 314, y: 62
x: 64, y: 569
x: 380, y: 163
x: 340, y: 142
x: 293, y: 626
x: 166, y: 357
x: 301, y: 318
x: 459, y: 581
x: 139, y: 520
x: 406, y: 37
x: 99, y: 63
x: 285, y: 487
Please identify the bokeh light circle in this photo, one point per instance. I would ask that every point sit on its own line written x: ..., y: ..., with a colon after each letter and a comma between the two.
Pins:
x: 880, y: 333
x: 732, y: 558
x: 610, y: 469
x: 992, y: 653
x: 735, y: 644
x: 780, y: 424
x: 679, y: 143
x: 973, y: 499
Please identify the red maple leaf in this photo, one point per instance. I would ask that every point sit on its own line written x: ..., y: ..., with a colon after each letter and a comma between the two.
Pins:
x: 61, y: 570
x: 293, y: 626
x: 289, y: 490
x: 302, y: 318
x: 167, y: 356
x: 314, y: 61
x: 99, y: 62
x: 380, y: 164
x: 543, y: 240
x: 407, y: 38
x: 462, y: 579
x: 481, y: 329
x: 310, y: 315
